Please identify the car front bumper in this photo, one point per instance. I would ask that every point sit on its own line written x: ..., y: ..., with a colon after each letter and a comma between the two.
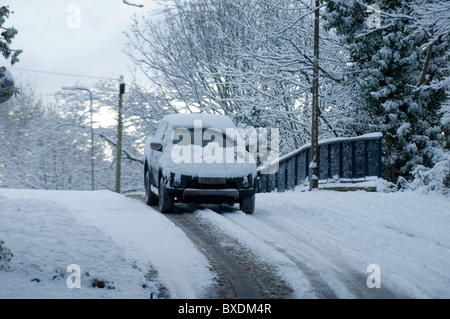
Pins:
x: 190, y: 190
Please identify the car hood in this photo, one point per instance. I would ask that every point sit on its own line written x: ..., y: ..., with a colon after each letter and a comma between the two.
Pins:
x: 209, y: 161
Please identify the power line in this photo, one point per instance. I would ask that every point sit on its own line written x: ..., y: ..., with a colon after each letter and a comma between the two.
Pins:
x: 65, y: 74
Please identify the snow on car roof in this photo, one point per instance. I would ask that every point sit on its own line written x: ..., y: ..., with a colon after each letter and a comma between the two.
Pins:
x: 218, y: 121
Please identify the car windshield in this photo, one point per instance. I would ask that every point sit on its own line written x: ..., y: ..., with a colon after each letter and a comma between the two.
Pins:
x: 191, y: 136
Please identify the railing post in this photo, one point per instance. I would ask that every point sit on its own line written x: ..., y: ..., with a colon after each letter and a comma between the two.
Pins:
x: 276, y: 177
x: 307, y: 160
x: 296, y: 170
x: 318, y: 162
x: 286, y: 168
x: 366, y: 158
x: 329, y: 161
x: 353, y: 159
x: 380, y: 161
x: 341, y: 160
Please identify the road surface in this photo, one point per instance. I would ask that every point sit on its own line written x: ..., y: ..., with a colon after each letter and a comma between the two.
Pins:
x: 243, y: 273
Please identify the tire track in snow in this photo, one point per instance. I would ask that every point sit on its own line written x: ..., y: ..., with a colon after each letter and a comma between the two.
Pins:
x: 328, y: 275
x: 321, y: 288
x: 338, y: 253
x: 311, y: 260
x: 239, y: 273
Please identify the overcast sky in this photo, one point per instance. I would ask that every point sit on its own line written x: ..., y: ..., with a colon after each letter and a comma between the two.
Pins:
x: 70, y: 36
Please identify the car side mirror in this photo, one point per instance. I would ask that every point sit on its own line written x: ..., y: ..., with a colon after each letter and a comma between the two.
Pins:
x: 156, y: 146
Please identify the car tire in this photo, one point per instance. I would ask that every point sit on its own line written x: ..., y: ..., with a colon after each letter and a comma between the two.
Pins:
x: 166, y: 202
x: 150, y: 197
x: 247, y: 204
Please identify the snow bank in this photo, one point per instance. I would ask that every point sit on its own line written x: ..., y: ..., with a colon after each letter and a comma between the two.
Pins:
x: 119, y: 241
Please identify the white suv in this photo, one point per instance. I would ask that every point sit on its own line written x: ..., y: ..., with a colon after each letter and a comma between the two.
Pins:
x: 198, y: 158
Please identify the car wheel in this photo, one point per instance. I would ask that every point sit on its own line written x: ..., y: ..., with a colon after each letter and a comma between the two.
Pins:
x: 247, y: 204
x: 150, y: 197
x: 166, y: 202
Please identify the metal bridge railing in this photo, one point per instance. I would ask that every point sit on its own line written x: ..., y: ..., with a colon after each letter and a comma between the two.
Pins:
x: 348, y: 159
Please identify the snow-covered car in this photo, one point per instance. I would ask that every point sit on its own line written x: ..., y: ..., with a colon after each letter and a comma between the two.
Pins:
x: 198, y: 158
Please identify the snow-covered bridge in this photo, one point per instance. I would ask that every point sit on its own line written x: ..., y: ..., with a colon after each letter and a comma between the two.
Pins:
x: 341, y: 160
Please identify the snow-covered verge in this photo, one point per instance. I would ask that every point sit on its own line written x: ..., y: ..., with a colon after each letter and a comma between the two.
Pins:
x: 334, y: 236
x: 119, y: 243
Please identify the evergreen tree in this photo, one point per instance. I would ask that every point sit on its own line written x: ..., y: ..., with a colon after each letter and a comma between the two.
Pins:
x: 6, y: 36
x: 391, y: 66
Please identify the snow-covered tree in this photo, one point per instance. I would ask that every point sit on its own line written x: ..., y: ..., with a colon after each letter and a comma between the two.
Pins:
x: 399, y: 75
x: 43, y: 146
x: 141, y: 114
x: 251, y: 60
x: 7, y: 34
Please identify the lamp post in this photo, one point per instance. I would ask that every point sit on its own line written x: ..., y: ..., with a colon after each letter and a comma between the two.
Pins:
x: 119, y: 134
x: 81, y: 88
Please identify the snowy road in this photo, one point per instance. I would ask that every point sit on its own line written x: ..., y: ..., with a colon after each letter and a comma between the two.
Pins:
x: 239, y: 273
x: 318, y: 273
x: 322, y: 243
x: 295, y: 245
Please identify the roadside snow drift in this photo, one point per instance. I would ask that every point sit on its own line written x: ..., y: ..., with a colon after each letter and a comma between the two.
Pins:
x: 124, y: 249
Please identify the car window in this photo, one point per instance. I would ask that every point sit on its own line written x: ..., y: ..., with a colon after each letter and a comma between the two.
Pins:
x: 207, y: 136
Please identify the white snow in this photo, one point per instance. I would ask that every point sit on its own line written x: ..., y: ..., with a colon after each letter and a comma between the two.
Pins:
x: 224, y: 156
x: 406, y: 233
x: 8, y: 76
x: 327, y: 233
x: 111, y: 237
x: 183, y: 120
x: 209, y: 161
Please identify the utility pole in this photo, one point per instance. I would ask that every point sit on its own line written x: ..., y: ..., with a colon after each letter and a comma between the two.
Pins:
x: 314, y: 169
x: 119, y: 134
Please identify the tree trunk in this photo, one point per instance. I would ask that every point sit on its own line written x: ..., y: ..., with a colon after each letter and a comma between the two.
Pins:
x: 424, y: 71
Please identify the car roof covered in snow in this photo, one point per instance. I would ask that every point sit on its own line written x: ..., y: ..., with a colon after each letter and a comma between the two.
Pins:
x: 218, y: 121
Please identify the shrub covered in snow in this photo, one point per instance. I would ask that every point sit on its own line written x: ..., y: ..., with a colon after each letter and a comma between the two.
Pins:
x: 436, y: 178
x: 5, y: 256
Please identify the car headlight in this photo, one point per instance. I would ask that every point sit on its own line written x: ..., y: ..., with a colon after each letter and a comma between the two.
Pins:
x: 245, y: 184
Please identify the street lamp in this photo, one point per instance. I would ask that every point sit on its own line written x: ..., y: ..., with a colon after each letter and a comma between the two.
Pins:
x: 81, y: 88
x: 119, y: 134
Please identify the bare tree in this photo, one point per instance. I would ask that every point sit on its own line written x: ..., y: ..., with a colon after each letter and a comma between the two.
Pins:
x: 250, y: 59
